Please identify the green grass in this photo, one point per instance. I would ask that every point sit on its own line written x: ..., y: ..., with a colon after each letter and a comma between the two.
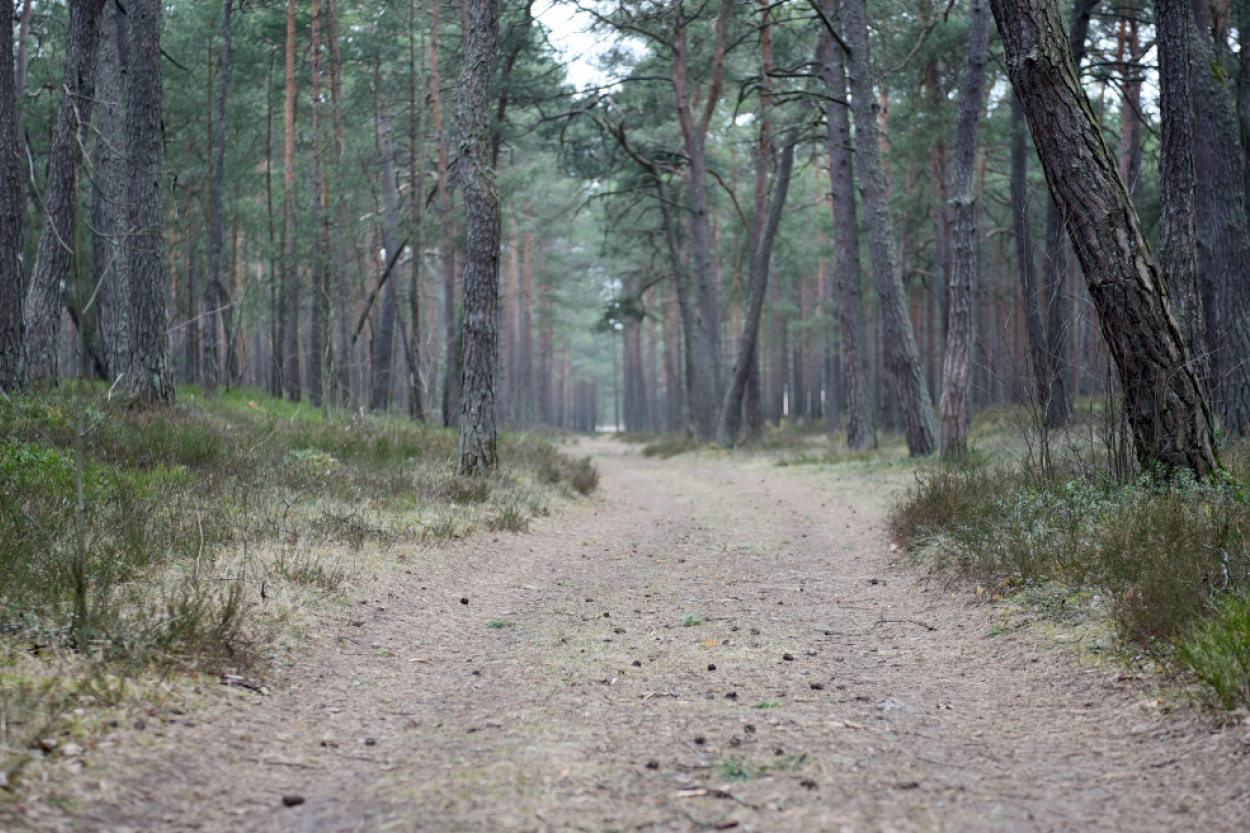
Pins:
x: 691, y: 620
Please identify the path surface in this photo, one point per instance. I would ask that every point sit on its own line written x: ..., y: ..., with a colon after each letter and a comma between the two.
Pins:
x: 594, y: 708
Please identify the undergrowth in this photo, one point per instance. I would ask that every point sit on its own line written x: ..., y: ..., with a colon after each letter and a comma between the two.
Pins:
x: 204, y: 527
x: 1171, y: 556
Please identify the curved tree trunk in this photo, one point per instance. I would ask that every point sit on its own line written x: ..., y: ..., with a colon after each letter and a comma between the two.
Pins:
x: 963, y: 273
x: 45, y: 298
x: 152, y: 378
x: 899, y: 342
x: 478, y: 408
x: 12, y: 366
x: 1163, y: 397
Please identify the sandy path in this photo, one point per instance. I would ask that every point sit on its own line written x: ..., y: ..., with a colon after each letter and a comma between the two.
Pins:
x: 594, y: 708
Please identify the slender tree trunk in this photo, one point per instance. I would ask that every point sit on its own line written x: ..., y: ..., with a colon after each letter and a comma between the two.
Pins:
x: 1130, y: 101
x: 384, y: 336
x: 902, y: 359
x: 416, y: 184
x: 1173, y: 24
x: 215, y: 295
x: 319, y: 313
x: 108, y: 195
x: 846, y: 245
x: 45, y: 299
x: 446, y: 238
x: 341, y: 237
x: 12, y: 364
x: 963, y: 274
x: 1163, y: 397
x: 290, y: 276
x: 1036, y: 335
x: 152, y: 379
x: 1223, y: 230
x: 479, y: 410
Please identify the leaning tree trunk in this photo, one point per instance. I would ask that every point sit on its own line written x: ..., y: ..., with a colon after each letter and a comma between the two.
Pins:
x: 1173, y: 24
x: 899, y: 342
x: 761, y: 256
x: 1163, y: 397
x: 480, y: 337
x: 963, y: 273
x: 45, y: 298
x: 214, y: 291
x: 12, y: 370
x: 108, y: 200
x: 1223, y: 233
x: 846, y: 246
x: 152, y: 378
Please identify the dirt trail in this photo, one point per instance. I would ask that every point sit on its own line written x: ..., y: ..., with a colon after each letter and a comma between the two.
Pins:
x: 890, y: 707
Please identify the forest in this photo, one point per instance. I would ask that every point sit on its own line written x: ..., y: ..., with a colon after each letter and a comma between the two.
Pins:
x: 713, y: 230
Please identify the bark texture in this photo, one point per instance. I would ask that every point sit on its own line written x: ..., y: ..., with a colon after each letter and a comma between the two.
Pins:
x: 215, y: 295
x: 152, y: 378
x: 45, y: 298
x: 1223, y: 231
x: 288, y: 321
x: 478, y: 409
x: 963, y: 272
x: 1177, y: 233
x: 108, y: 196
x: 12, y: 366
x: 898, y: 340
x: 1163, y: 398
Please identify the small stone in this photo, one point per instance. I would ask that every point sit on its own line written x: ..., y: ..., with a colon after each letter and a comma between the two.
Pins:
x: 637, y: 663
x: 292, y: 800
x: 464, y: 601
x: 653, y: 764
x: 700, y: 740
x: 818, y: 687
x: 788, y: 657
x: 711, y: 667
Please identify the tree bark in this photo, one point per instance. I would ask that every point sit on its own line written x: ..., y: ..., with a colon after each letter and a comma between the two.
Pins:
x: 1177, y: 233
x: 416, y: 184
x: 108, y: 197
x: 12, y: 365
x: 1223, y: 231
x: 1039, y: 357
x: 1163, y: 397
x: 45, y: 298
x: 901, y: 358
x: 319, y: 314
x: 152, y: 379
x: 215, y: 294
x: 963, y: 274
x: 384, y: 337
x: 446, y: 237
x: 846, y: 245
x: 289, y: 321
x: 478, y: 410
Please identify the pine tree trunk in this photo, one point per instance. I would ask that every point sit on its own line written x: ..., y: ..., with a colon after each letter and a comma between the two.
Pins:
x: 1166, y: 410
x: 446, y: 238
x: 12, y: 365
x: 1177, y: 233
x: 45, y: 298
x: 215, y: 295
x: 384, y: 337
x: 108, y: 196
x: 1038, y: 355
x: 901, y: 357
x: 319, y: 314
x: 846, y: 246
x: 478, y: 409
x: 416, y: 184
x: 1223, y: 231
x: 963, y: 273
x: 289, y: 321
x: 152, y: 379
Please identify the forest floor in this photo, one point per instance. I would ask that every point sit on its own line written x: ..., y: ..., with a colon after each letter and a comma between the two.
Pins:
x: 710, y: 642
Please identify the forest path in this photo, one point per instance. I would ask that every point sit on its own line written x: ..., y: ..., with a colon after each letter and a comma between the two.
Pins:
x: 891, y: 706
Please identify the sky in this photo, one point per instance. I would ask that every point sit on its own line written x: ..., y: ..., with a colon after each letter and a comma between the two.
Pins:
x: 579, y: 48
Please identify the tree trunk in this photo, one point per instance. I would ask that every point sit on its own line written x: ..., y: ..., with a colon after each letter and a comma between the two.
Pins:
x: 1039, y: 362
x: 846, y: 245
x: 1173, y: 24
x: 12, y: 366
x: 416, y: 184
x: 108, y: 196
x: 1164, y: 402
x: 45, y: 299
x: 215, y: 295
x: 1223, y: 231
x: 1060, y: 407
x: 290, y: 278
x: 446, y: 238
x: 478, y: 410
x: 1129, y: 55
x: 384, y: 337
x: 901, y: 357
x: 152, y: 379
x: 319, y: 314
x: 963, y: 274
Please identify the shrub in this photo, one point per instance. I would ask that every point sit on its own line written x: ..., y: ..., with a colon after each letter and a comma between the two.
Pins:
x: 1217, y: 652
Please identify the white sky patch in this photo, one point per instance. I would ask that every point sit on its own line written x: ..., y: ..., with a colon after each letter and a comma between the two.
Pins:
x: 578, y: 47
